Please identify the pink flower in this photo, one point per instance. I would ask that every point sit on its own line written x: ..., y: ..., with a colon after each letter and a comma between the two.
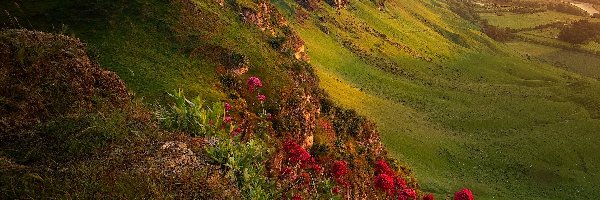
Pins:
x: 227, y: 106
x: 463, y: 194
x: 253, y: 83
x: 269, y: 116
x: 261, y: 98
x: 227, y: 119
x: 428, y: 197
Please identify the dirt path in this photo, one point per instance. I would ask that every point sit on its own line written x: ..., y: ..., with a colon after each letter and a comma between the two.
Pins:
x: 589, y: 8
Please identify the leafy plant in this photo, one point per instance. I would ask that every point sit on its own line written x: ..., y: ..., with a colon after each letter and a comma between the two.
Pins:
x: 193, y: 116
x: 245, y: 164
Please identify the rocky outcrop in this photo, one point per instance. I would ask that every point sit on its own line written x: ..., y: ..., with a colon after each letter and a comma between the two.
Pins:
x: 44, y: 75
x: 265, y: 16
x: 269, y: 20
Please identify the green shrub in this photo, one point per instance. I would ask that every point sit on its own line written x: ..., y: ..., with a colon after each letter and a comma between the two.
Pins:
x: 245, y: 165
x: 193, y: 116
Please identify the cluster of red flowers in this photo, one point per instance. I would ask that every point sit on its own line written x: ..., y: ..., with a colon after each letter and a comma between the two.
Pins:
x: 253, y: 83
x: 298, y: 155
x: 298, y: 163
x: 387, y: 181
x: 381, y: 167
x: 463, y: 194
x: 338, y: 171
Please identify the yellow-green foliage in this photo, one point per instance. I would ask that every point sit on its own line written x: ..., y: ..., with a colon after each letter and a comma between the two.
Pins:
x: 476, y: 115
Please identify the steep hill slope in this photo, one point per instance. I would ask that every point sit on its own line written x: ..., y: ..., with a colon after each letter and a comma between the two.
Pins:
x: 454, y: 104
x: 461, y: 109
x: 260, y: 127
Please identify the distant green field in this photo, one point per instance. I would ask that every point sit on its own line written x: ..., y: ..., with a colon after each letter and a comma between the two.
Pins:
x: 582, y: 63
x: 472, y: 117
x: 521, y: 21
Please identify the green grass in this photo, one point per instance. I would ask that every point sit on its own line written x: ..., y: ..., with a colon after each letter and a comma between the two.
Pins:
x: 474, y: 115
x: 506, y: 127
x: 582, y: 63
x: 521, y: 21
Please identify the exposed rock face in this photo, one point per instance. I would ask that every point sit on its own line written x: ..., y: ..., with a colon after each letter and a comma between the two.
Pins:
x: 263, y: 17
x: 173, y: 158
x: 44, y: 75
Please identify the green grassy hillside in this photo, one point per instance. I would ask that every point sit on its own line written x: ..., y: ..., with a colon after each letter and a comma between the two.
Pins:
x: 463, y: 110
x: 286, y: 139
x: 459, y: 108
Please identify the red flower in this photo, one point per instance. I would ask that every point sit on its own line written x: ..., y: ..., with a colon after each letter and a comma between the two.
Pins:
x: 339, y: 169
x: 261, y: 98
x: 296, y: 154
x: 407, y: 193
x: 227, y: 119
x: 381, y: 167
x: 463, y: 194
x: 227, y: 106
x: 317, y: 167
x: 384, y: 182
x: 401, y: 183
x: 428, y: 197
x: 253, y: 83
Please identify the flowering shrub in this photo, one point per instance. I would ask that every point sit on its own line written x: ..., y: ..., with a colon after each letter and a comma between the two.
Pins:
x: 407, y: 193
x: 243, y: 160
x: 253, y: 83
x: 463, y: 194
x: 393, y: 185
x: 296, y: 154
x: 385, y: 182
x: 381, y: 167
x: 339, y: 169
